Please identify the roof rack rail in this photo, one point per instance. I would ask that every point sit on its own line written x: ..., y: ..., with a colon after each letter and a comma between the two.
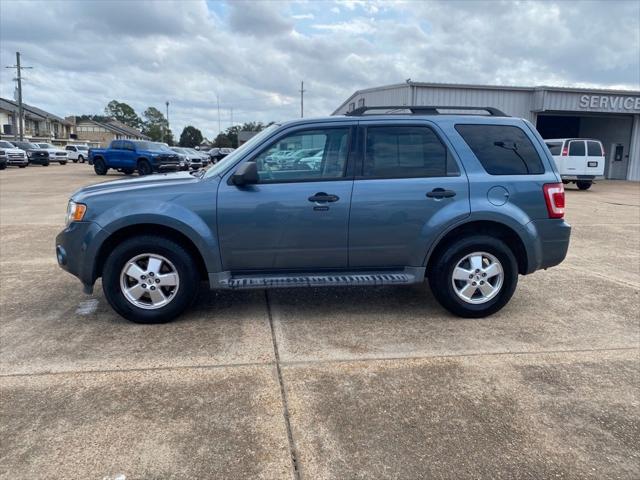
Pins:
x: 424, y: 109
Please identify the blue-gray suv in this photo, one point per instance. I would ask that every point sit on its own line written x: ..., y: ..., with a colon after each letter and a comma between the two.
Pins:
x: 467, y: 201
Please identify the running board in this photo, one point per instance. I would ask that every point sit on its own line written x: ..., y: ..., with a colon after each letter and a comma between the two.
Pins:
x: 332, y: 279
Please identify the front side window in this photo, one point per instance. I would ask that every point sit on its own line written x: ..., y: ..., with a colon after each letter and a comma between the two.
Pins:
x: 577, y: 148
x: 406, y: 152
x: 304, y: 156
x: 502, y: 149
x: 594, y: 149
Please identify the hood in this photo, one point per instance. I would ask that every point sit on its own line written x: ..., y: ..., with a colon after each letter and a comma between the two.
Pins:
x: 162, y: 180
x: 12, y: 150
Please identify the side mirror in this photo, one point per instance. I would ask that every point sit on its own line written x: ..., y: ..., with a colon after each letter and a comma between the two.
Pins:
x: 247, y: 174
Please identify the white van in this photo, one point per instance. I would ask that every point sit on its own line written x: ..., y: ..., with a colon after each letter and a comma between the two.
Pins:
x: 579, y: 160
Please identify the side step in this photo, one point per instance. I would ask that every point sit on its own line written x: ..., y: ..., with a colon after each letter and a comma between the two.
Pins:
x: 333, y: 279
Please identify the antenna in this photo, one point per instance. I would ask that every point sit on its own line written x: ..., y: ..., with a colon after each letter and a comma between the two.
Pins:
x: 19, y: 69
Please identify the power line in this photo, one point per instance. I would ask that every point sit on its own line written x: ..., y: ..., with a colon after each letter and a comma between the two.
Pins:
x: 19, y: 69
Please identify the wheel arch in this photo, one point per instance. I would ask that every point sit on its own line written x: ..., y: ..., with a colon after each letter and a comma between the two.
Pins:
x: 155, y: 229
x: 484, y: 227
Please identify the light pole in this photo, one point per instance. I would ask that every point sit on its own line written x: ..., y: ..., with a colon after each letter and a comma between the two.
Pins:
x: 168, y: 127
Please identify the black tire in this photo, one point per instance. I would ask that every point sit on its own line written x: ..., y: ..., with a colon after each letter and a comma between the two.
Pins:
x: 185, y: 266
x: 63, y: 163
x: 99, y: 167
x: 80, y: 159
x: 74, y: 160
x: 441, y: 275
x: 45, y: 164
x: 3, y: 166
x: 584, y: 185
x: 144, y: 168
x: 128, y: 171
x: 22, y: 166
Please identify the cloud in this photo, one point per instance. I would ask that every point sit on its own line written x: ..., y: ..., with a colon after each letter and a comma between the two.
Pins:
x: 253, y: 55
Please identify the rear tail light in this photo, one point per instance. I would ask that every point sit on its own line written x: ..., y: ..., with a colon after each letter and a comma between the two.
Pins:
x: 554, y: 196
x: 565, y: 151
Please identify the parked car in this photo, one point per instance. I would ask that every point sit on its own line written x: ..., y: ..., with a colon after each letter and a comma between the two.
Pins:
x: 579, y: 160
x: 127, y: 156
x: 468, y: 202
x: 11, y: 155
x: 35, y: 154
x: 56, y: 154
x: 77, y: 153
x: 218, y: 154
x: 193, y: 161
x: 204, y: 156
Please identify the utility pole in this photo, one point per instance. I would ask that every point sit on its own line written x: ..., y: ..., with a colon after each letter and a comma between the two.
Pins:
x: 231, y: 117
x: 19, y: 80
x: 218, y: 102
x: 168, y: 127
x: 302, y: 90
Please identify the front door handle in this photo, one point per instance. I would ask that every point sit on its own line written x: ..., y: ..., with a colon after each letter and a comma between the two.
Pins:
x: 323, y: 197
x: 441, y: 193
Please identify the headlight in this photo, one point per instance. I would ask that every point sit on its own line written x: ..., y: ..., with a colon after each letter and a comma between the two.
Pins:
x: 75, y: 212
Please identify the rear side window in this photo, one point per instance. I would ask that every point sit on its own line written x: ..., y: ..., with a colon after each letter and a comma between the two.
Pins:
x: 406, y: 152
x: 554, y: 147
x: 502, y: 149
x: 594, y: 149
x: 116, y: 144
x: 576, y: 148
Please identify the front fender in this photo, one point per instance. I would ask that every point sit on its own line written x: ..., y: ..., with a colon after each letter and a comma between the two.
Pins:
x: 171, y: 215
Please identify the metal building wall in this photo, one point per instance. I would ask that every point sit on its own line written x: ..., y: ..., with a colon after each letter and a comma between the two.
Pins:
x: 516, y: 103
x: 634, y: 151
x: 391, y: 95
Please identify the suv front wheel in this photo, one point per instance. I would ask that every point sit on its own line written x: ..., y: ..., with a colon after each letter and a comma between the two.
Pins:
x: 475, y: 276
x: 150, y: 279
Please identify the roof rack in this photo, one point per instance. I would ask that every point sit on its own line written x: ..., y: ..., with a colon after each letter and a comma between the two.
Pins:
x: 424, y: 109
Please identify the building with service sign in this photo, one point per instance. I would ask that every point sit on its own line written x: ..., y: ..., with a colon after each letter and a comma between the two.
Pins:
x: 611, y: 116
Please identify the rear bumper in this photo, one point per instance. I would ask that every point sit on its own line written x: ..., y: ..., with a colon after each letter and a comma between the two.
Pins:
x: 552, y: 244
x: 581, y: 177
x: 76, y: 250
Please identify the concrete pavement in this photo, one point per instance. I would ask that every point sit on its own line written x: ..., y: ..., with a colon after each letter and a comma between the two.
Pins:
x: 326, y: 383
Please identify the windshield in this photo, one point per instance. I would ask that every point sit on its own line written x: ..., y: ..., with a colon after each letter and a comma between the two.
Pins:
x: 5, y: 145
x: 81, y: 147
x: 230, y: 159
x: 45, y: 145
x: 153, y: 147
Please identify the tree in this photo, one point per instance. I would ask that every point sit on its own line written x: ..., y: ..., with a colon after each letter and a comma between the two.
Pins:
x: 155, y: 125
x: 232, y: 132
x: 222, y: 141
x: 190, y: 137
x: 123, y: 113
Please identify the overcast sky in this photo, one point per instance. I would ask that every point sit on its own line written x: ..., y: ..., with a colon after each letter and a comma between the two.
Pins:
x: 254, y: 54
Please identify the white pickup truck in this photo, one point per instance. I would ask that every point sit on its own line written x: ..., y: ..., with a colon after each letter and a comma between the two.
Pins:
x: 579, y: 160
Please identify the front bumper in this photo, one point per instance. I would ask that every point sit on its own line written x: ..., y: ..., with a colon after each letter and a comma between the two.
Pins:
x: 20, y: 161
x: 77, y: 247
x: 39, y: 159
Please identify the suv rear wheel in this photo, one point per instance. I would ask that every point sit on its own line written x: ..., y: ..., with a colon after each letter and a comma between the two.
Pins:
x: 475, y: 276
x: 150, y: 279
x: 583, y: 185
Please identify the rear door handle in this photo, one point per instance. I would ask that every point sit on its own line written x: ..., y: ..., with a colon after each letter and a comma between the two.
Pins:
x: 441, y: 193
x: 323, y: 197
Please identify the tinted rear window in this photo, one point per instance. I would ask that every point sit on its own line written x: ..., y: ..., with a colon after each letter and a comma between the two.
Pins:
x: 576, y: 148
x: 554, y: 147
x: 502, y: 149
x: 594, y: 149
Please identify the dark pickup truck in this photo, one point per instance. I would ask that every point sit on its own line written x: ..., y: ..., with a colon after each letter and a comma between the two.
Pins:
x: 127, y: 156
